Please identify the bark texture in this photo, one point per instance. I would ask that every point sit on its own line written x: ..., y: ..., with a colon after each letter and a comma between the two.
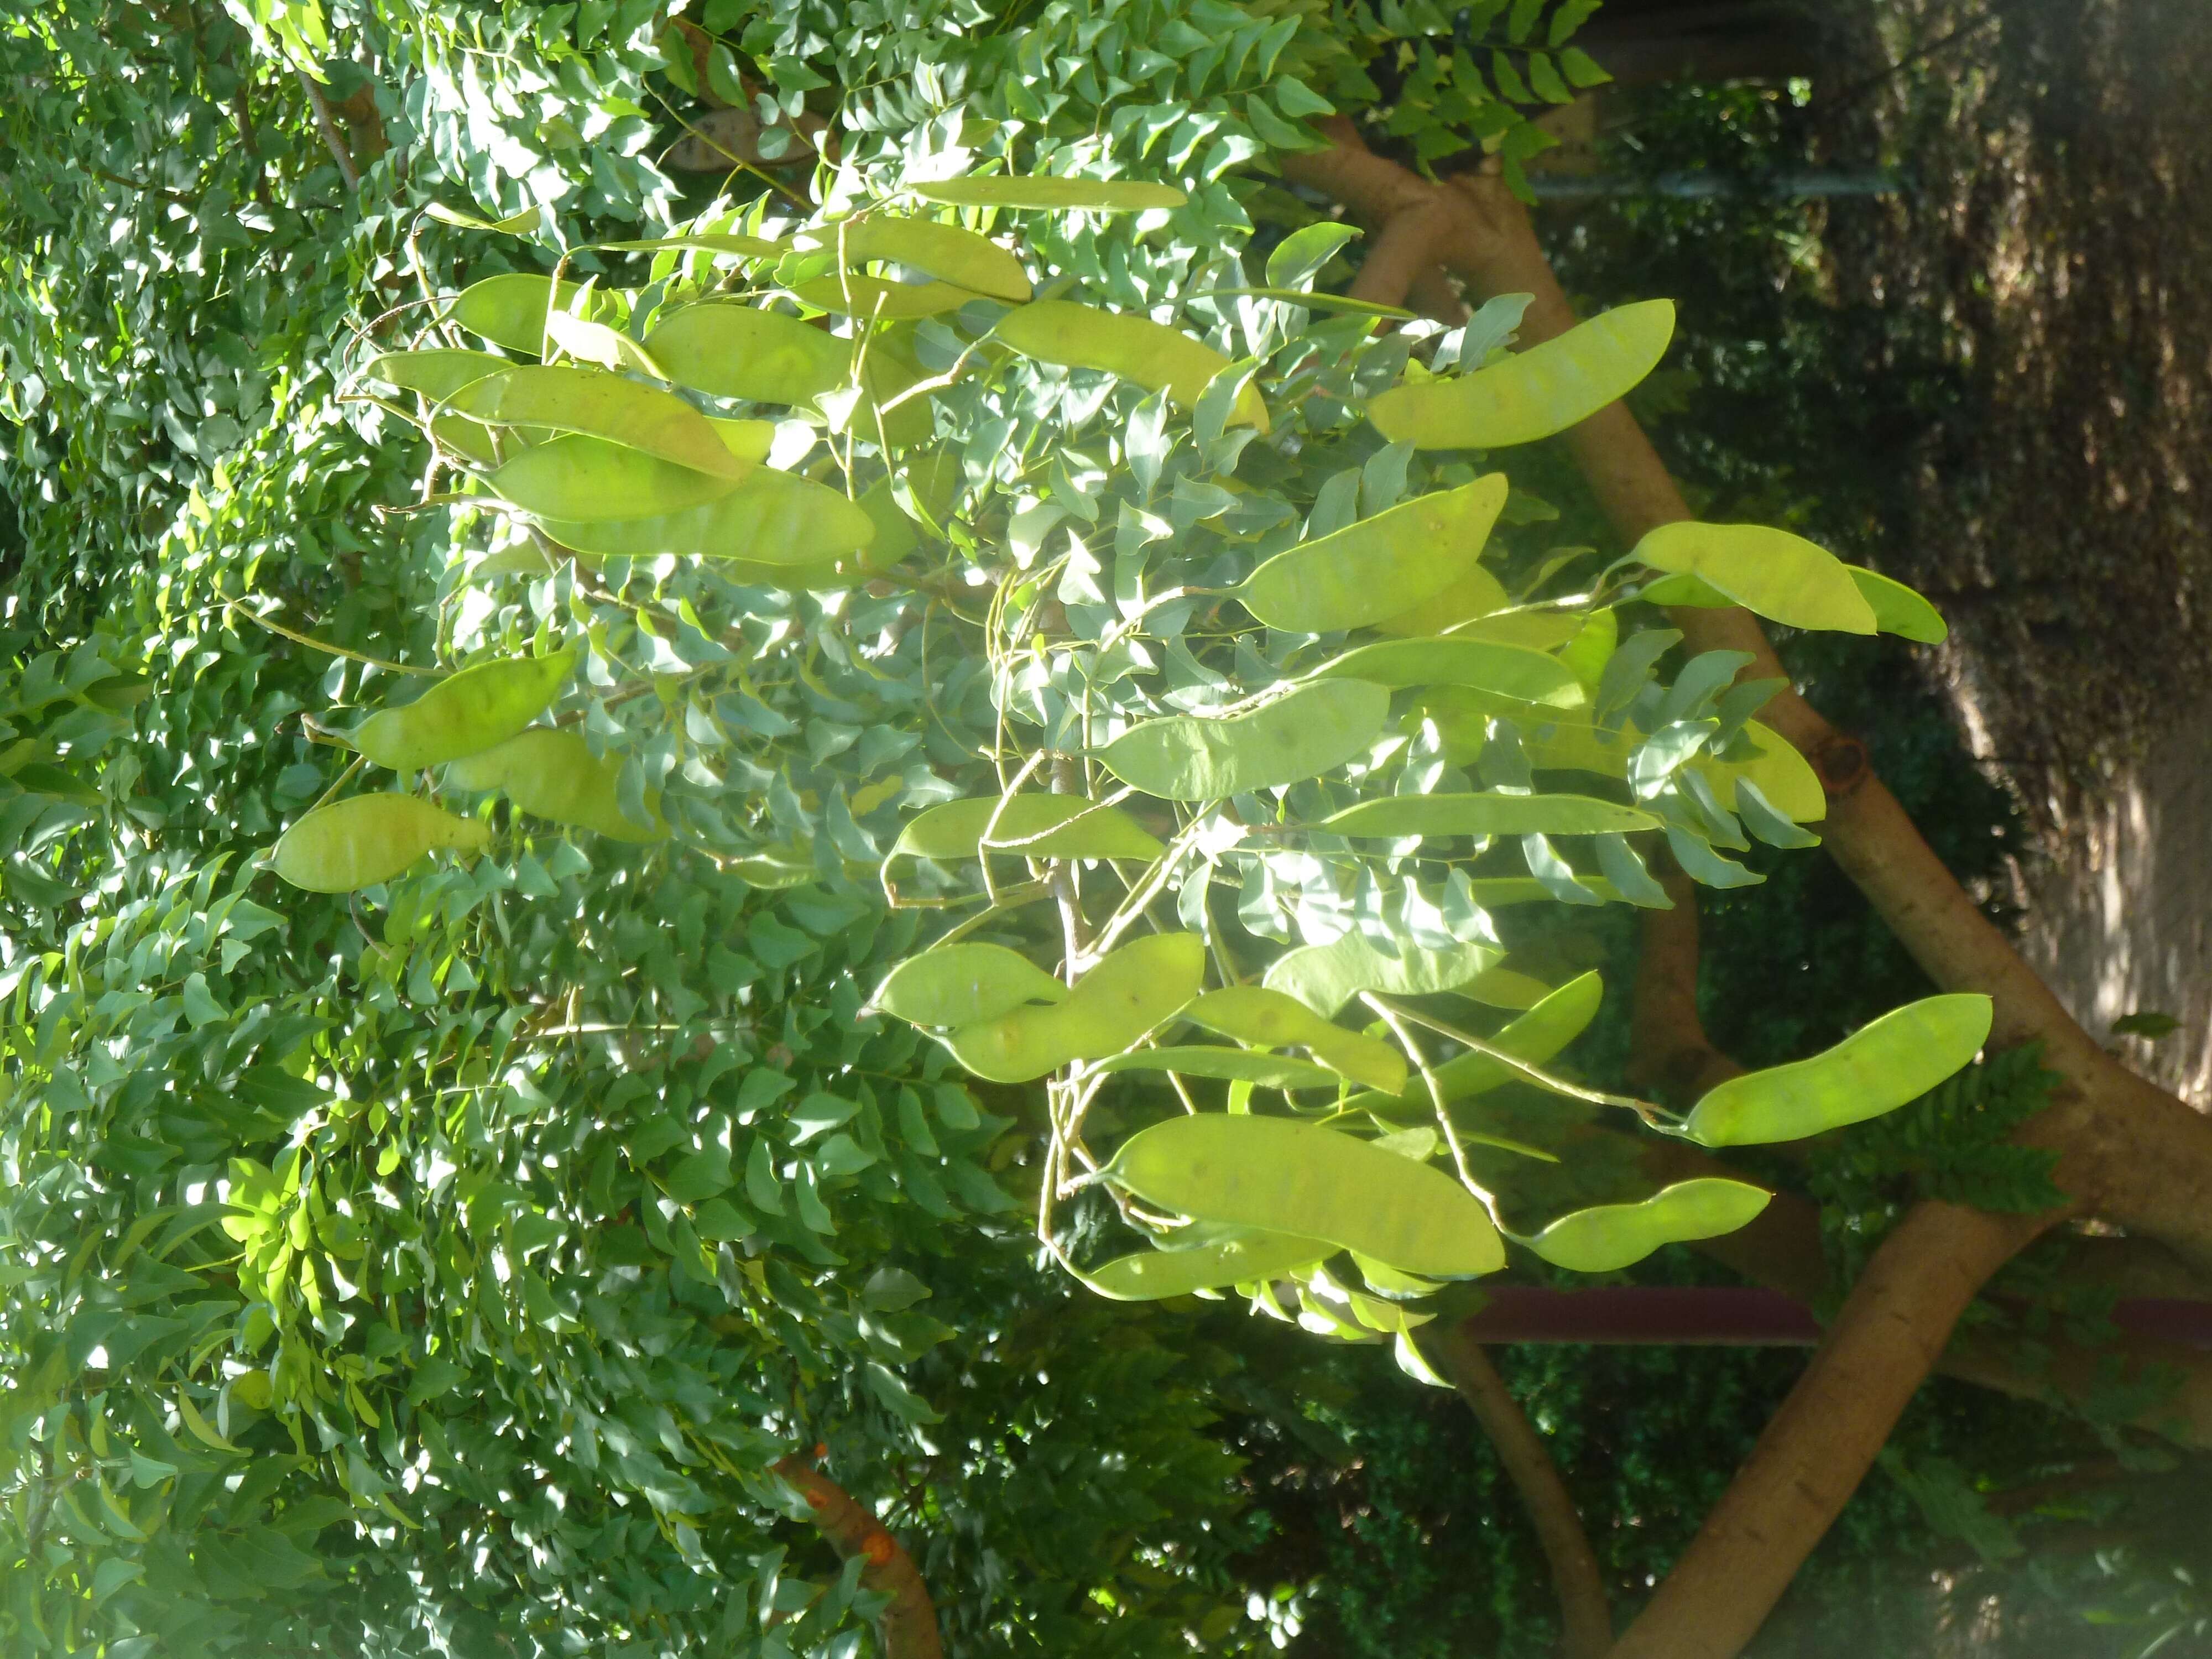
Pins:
x: 908, y: 1627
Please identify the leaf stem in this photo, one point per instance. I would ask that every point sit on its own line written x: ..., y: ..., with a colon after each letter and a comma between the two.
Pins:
x: 327, y: 649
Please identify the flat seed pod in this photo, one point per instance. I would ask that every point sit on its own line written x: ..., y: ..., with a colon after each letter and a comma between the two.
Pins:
x: 1128, y: 994
x: 1379, y: 567
x: 606, y: 405
x: 1783, y: 775
x: 705, y: 241
x: 1324, y: 977
x: 464, y: 714
x: 742, y: 351
x: 1236, y: 1065
x: 1050, y: 195
x: 1533, y: 393
x: 437, y: 374
x: 474, y: 444
x: 1503, y: 987
x: 770, y: 520
x: 366, y: 839
x: 1534, y: 1037
x: 1684, y: 589
x: 1137, y: 349
x: 1282, y: 1175
x: 1539, y: 631
x: 1031, y: 826
x: 510, y: 310
x: 1506, y: 671
x: 1314, y: 729
x: 550, y: 772
x: 1149, y: 1275
x: 944, y: 251
x: 1473, y: 592
x: 586, y: 479
x: 1609, y: 1237
x: 1897, y: 610
x: 1253, y: 1014
x: 874, y: 296
x: 1876, y: 1069
x: 1487, y: 813
x: 749, y: 441
x: 965, y: 985
x: 1782, y: 577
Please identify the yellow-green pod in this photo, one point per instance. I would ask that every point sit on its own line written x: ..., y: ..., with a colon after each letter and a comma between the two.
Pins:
x: 550, y: 772
x: 1534, y: 1037
x: 964, y: 984
x: 1378, y: 569
x: 1137, y: 349
x: 436, y: 374
x: 1324, y: 977
x: 1504, y: 987
x: 1149, y: 1275
x: 510, y: 310
x: 1506, y: 671
x: 1290, y: 1176
x: 464, y: 714
x: 1487, y: 812
x: 1030, y: 826
x: 366, y: 839
x: 1898, y: 608
x: 1128, y: 992
x: 1473, y: 592
x: 1782, y: 577
x: 1876, y: 1069
x: 749, y: 441
x: 767, y: 518
x: 1533, y: 393
x: 579, y: 478
x: 731, y: 350
x: 1785, y: 777
x: 944, y: 251
x: 1577, y: 745
x: 855, y: 296
x: 606, y: 405
x: 1253, y: 1014
x: 1539, y: 631
x: 1314, y: 729
x: 704, y: 242
x: 1230, y: 1065
x: 1609, y: 1237
x: 1045, y: 194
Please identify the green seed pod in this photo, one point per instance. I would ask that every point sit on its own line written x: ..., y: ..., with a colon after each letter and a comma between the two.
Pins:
x: 965, y: 985
x: 1534, y: 1037
x: 550, y: 772
x: 1281, y: 1175
x: 1486, y: 813
x: 1314, y: 729
x: 1610, y: 1236
x: 1234, y: 1065
x: 1137, y: 349
x: 1030, y: 826
x: 770, y: 520
x: 437, y: 374
x: 1505, y: 671
x: 1369, y: 572
x: 1876, y: 1069
x: 1324, y: 977
x: 464, y: 713
x: 366, y: 839
x: 1782, y: 577
x: 578, y: 476
x: 1251, y: 1013
x: 945, y: 252
x: 605, y: 406
x: 510, y: 310
x: 732, y: 350
x: 1534, y: 393
x: 1149, y: 1275
x: 874, y: 296
x: 1127, y: 994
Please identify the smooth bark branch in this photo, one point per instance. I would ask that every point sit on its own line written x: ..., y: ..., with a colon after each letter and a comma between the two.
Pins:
x: 1669, y: 1050
x: 1585, y: 1619
x: 331, y: 136
x: 1813, y: 1455
x: 908, y: 1625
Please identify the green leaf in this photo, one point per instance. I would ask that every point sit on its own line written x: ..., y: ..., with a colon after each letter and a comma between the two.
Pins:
x: 1491, y: 813
x: 1314, y: 729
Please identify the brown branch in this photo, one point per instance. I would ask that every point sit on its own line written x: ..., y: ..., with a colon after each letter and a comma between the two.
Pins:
x: 1812, y: 1455
x: 1669, y: 1053
x: 1585, y: 1619
x: 332, y: 136
x: 908, y: 1624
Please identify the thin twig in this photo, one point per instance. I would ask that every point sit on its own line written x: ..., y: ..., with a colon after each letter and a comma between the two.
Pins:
x: 323, y: 647
x: 1657, y: 1117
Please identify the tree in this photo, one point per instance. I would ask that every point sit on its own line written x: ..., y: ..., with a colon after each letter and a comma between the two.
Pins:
x: 530, y: 1215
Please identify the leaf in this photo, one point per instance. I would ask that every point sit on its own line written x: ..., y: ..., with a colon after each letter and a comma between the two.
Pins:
x: 1491, y: 813
x: 1506, y: 671
x: 1301, y: 255
x: 1897, y: 610
x: 1876, y: 1069
x: 514, y: 224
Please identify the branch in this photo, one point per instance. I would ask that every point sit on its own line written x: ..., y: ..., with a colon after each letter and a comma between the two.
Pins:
x: 908, y: 1624
x: 1669, y: 1050
x: 1586, y: 1621
x: 332, y: 136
